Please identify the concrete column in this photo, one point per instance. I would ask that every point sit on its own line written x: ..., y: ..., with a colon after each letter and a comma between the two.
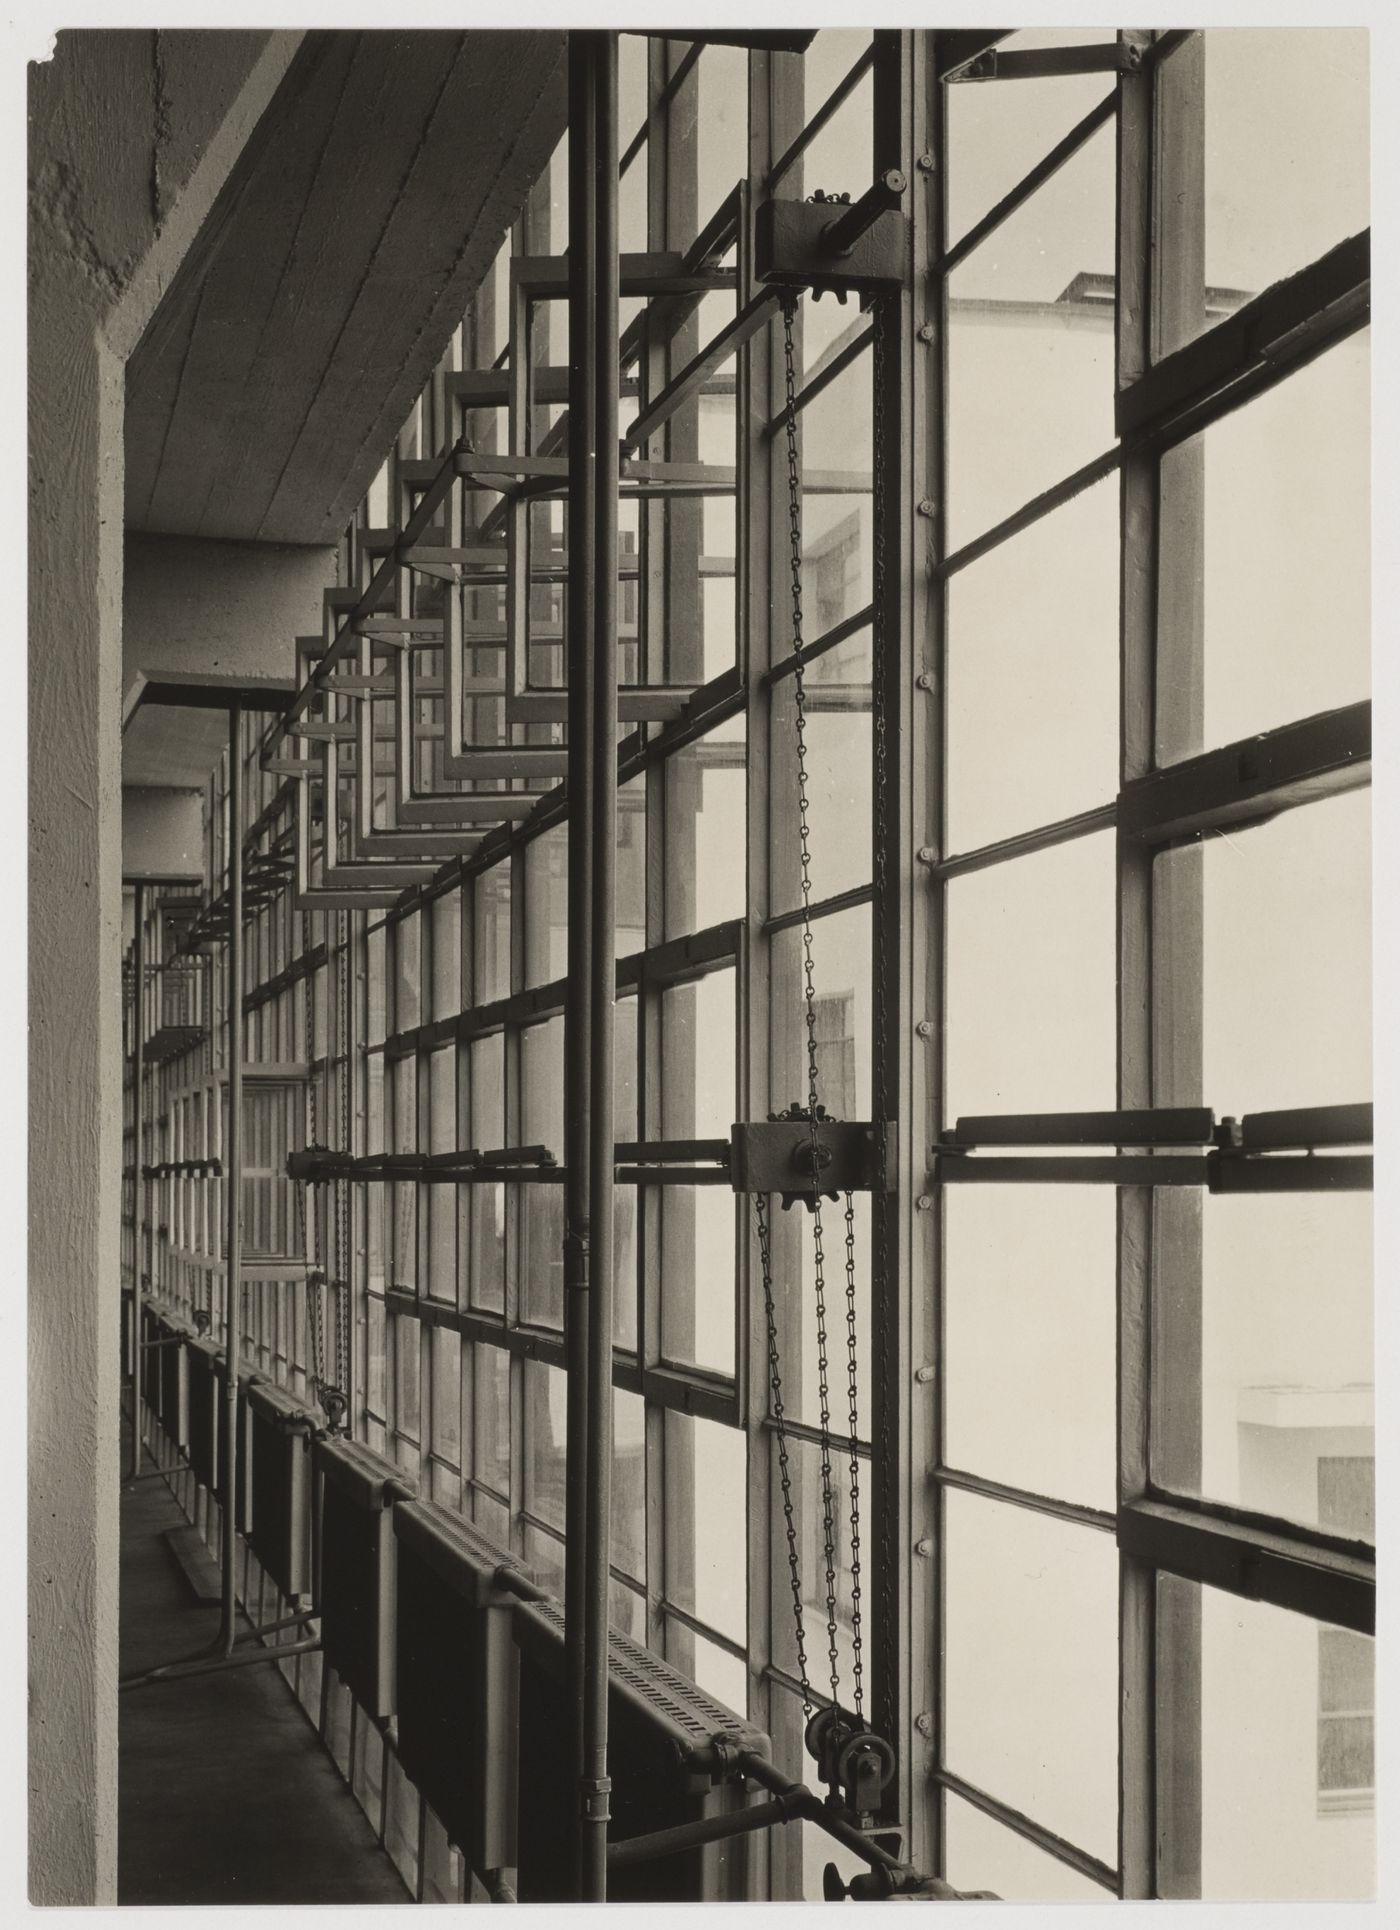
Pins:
x: 131, y: 136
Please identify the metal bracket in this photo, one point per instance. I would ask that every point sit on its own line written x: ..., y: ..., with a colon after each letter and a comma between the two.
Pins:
x: 789, y: 1155
x: 835, y: 246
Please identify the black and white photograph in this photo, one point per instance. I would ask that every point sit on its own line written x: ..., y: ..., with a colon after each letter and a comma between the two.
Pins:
x: 701, y: 1061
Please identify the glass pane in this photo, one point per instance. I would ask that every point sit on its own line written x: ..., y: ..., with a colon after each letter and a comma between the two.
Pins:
x: 1288, y: 1362
x: 698, y: 1276
x: 699, y: 1053
x: 545, y: 1401
x: 1284, y: 487
x: 487, y: 1203
x: 706, y: 1512
x: 1030, y: 346
x: 447, y: 1394
x: 718, y: 1673
x: 997, y: 133
x: 1031, y: 1666
x: 629, y: 1516
x: 631, y: 869
x: 544, y: 1556
x: 1288, y: 960
x: 798, y: 1325
x: 546, y: 907
x: 542, y: 1206
x: 839, y: 782
x: 1287, y: 153
x: 815, y: 1501
x: 1287, y: 1782
x: 721, y: 126
x: 841, y: 958
x: 627, y: 1610
x: 981, y: 1854
x: 1033, y: 675
x: 491, y: 1368
x: 491, y: 928
x: 1031, y: 983
x: 1030, y: 1315
x: 705, y: 834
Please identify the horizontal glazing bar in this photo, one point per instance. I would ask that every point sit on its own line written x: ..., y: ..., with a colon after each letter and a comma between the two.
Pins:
x: 1159, y: 1126
x: 824, y: 908
x: 1044, y: 1839
x: 1102, y: 818
x: 1043, y: 1504
x: 1251, y: 779
x: 1311, y: 1574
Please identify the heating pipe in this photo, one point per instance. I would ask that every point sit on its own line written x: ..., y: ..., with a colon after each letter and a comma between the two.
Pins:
x: 142, y: 1199
x: 233, y: 1167
x: 601, y: 55
x: 583, y: 444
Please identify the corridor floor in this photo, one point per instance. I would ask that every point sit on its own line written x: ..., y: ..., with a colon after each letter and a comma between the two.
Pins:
x: 227, y: 1795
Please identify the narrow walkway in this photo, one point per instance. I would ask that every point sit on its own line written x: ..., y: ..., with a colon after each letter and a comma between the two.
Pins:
x: 227, y: 1795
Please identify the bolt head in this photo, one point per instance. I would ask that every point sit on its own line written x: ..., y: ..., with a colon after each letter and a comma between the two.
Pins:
x: 927, y: 506
x: 924, y: 1028
x: 926, y: 331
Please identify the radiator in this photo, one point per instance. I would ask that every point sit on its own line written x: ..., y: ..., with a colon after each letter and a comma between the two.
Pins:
x: 203, y: 1412
x: 457, y: 1670
x: 170, y: 1366
x: 275, y: 1450
x: 207, y: 1408
x: 660, y: 1726
x: 356, y: 1586
x: 150, y: 1382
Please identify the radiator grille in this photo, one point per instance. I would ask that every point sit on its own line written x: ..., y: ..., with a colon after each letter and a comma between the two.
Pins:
x: 658, y: 1723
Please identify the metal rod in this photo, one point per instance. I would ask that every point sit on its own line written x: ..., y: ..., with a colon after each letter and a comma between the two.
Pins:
x: 234, y: 1165
x: 137, y: 1101
x: 708, y: 1829
x: 602, y: 976
x: 583, y: 443
x: 883, y: 195
x: 181, y: 1671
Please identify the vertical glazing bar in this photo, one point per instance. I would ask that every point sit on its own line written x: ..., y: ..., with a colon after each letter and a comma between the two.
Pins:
x: 1176, y: 309
x: 892, y: 676
x: 233, y: 1170
x: 602, y: 987
x: 924, y: 726
x: 583, y: 441
x: 138, y: 1189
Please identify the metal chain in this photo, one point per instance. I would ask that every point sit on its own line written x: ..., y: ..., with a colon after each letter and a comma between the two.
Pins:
x: 307, y: 1219
x: 775, y: 1381
x: 857, y: 1658
x: 884, y: 309
x: 790, y: 305
x: 342, y: 1323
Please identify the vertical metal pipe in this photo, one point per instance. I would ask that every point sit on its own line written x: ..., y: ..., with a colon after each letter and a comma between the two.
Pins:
x: 138, y: 1187
x: 583, y: 445
x: 602, y: 989
x: 233, y: 1170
